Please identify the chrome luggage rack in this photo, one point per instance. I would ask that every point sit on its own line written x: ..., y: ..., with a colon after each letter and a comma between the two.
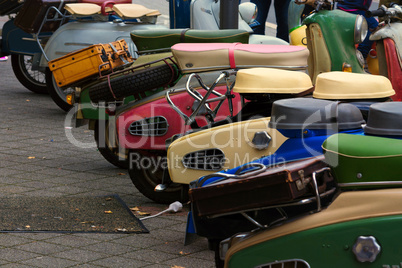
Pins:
x: 203, y: 101
x: 58, y: 17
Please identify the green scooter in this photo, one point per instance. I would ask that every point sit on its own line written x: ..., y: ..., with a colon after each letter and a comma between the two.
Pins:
x: 361, y: 227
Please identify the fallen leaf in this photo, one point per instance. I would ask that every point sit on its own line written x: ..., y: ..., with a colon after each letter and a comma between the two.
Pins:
x: 135, y: 209
x: 108, y: 212
x: 27, y: 100
x: 175, y: 266
x: 183, y: 253
x: 108, y: 199
x: 121, y: 174
x: 143, y: 213
x: 27, y: 226
x: 31, y: 157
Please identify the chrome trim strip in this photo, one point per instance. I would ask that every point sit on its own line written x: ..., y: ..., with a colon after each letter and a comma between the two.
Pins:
x: 373, y: 183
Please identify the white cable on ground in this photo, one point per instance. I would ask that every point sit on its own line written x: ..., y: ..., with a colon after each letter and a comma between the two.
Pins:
x: 174, y: 207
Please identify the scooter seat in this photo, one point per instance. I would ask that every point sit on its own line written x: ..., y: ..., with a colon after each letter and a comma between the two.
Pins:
x: 272, y: 81
x: 133, y: 11
x: 344, y: 85
x: 214, y: 56
x: 163, y: 39
x: 83, y: 9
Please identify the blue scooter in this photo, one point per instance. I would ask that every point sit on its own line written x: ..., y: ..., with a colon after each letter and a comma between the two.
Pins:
x: 25, y: 54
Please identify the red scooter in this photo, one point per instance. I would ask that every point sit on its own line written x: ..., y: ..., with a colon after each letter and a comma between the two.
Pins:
x: 388, y: 45
x: 145, y: 127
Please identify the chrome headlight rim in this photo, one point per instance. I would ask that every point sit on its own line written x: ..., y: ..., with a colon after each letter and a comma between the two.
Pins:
x: 361, y: 29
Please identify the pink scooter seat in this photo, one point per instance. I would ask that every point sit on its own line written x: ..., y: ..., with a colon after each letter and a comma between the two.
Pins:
x: 193, y: 57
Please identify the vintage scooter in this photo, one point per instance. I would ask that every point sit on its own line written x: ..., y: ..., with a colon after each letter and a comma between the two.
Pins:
x: 388, y: 42
x: 60, y: 43
x: 330, y: 51
x: 194, y: 58
x: 359, y: 228
x: 23, y: 49
x: 232, y: 201
x: 82, y: 33
x: 230, y: 145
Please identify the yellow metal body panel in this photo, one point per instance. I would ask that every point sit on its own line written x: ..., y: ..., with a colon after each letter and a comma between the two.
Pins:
x: 317, y: 46
x: 298, y: 36
x: 235, y: 140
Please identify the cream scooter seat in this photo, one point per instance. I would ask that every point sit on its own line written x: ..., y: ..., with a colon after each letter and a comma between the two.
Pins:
x: 196, y: 57
x: 124, y: 11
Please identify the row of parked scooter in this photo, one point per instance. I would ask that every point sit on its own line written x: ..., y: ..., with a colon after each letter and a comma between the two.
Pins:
x: 268, y: 156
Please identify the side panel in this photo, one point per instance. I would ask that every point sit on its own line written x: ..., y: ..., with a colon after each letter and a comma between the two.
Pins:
x: 16, y: 41
x: 328, y: 246
x: 234, y: 140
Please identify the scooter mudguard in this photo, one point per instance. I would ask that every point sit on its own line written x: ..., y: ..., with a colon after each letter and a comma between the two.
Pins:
x: 16, y: 41
x: 147, y: 124
x: 394, y: 67
x: 331, y: 41
x: 78, y: 35
x: 359, y: 229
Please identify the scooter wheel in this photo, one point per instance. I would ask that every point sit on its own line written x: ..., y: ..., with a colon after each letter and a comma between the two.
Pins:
x: 58, y: 94
x: 133, y: 83
x: 33, y: 80
x: 108, y: 148
x: 146, y: 171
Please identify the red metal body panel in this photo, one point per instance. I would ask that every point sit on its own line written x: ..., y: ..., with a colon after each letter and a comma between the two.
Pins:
x: 160, y: 107
x: 394, y: 68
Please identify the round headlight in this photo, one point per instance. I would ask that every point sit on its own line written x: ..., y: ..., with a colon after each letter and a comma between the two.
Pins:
x: 248, y: 12
x: 361, y: 29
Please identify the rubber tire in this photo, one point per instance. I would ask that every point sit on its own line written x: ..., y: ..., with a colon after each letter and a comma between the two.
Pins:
x: 132, y: 83
x: 145, y: 181
x: 21, y: 71
x: 57, y: 94
x: 109, y: 151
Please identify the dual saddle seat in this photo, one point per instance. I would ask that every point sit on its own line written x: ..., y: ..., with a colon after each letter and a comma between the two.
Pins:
x: 123, y: 8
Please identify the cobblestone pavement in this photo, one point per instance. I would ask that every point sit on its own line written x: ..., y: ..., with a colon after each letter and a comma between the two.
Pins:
x: 36, y: 159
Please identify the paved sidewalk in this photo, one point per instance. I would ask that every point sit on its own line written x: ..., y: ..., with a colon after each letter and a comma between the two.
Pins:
x: 36, y: 159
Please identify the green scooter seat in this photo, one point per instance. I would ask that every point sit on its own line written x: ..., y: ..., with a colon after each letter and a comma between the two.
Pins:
x: 161, y: 40
x: 359, y: 161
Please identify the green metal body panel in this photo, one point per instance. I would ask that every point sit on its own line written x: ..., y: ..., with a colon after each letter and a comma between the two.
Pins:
x: 164, y: 39
x: 364, y: 161
x: 338, y: 27
x: 89, y: 111
x: 328, y: 246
